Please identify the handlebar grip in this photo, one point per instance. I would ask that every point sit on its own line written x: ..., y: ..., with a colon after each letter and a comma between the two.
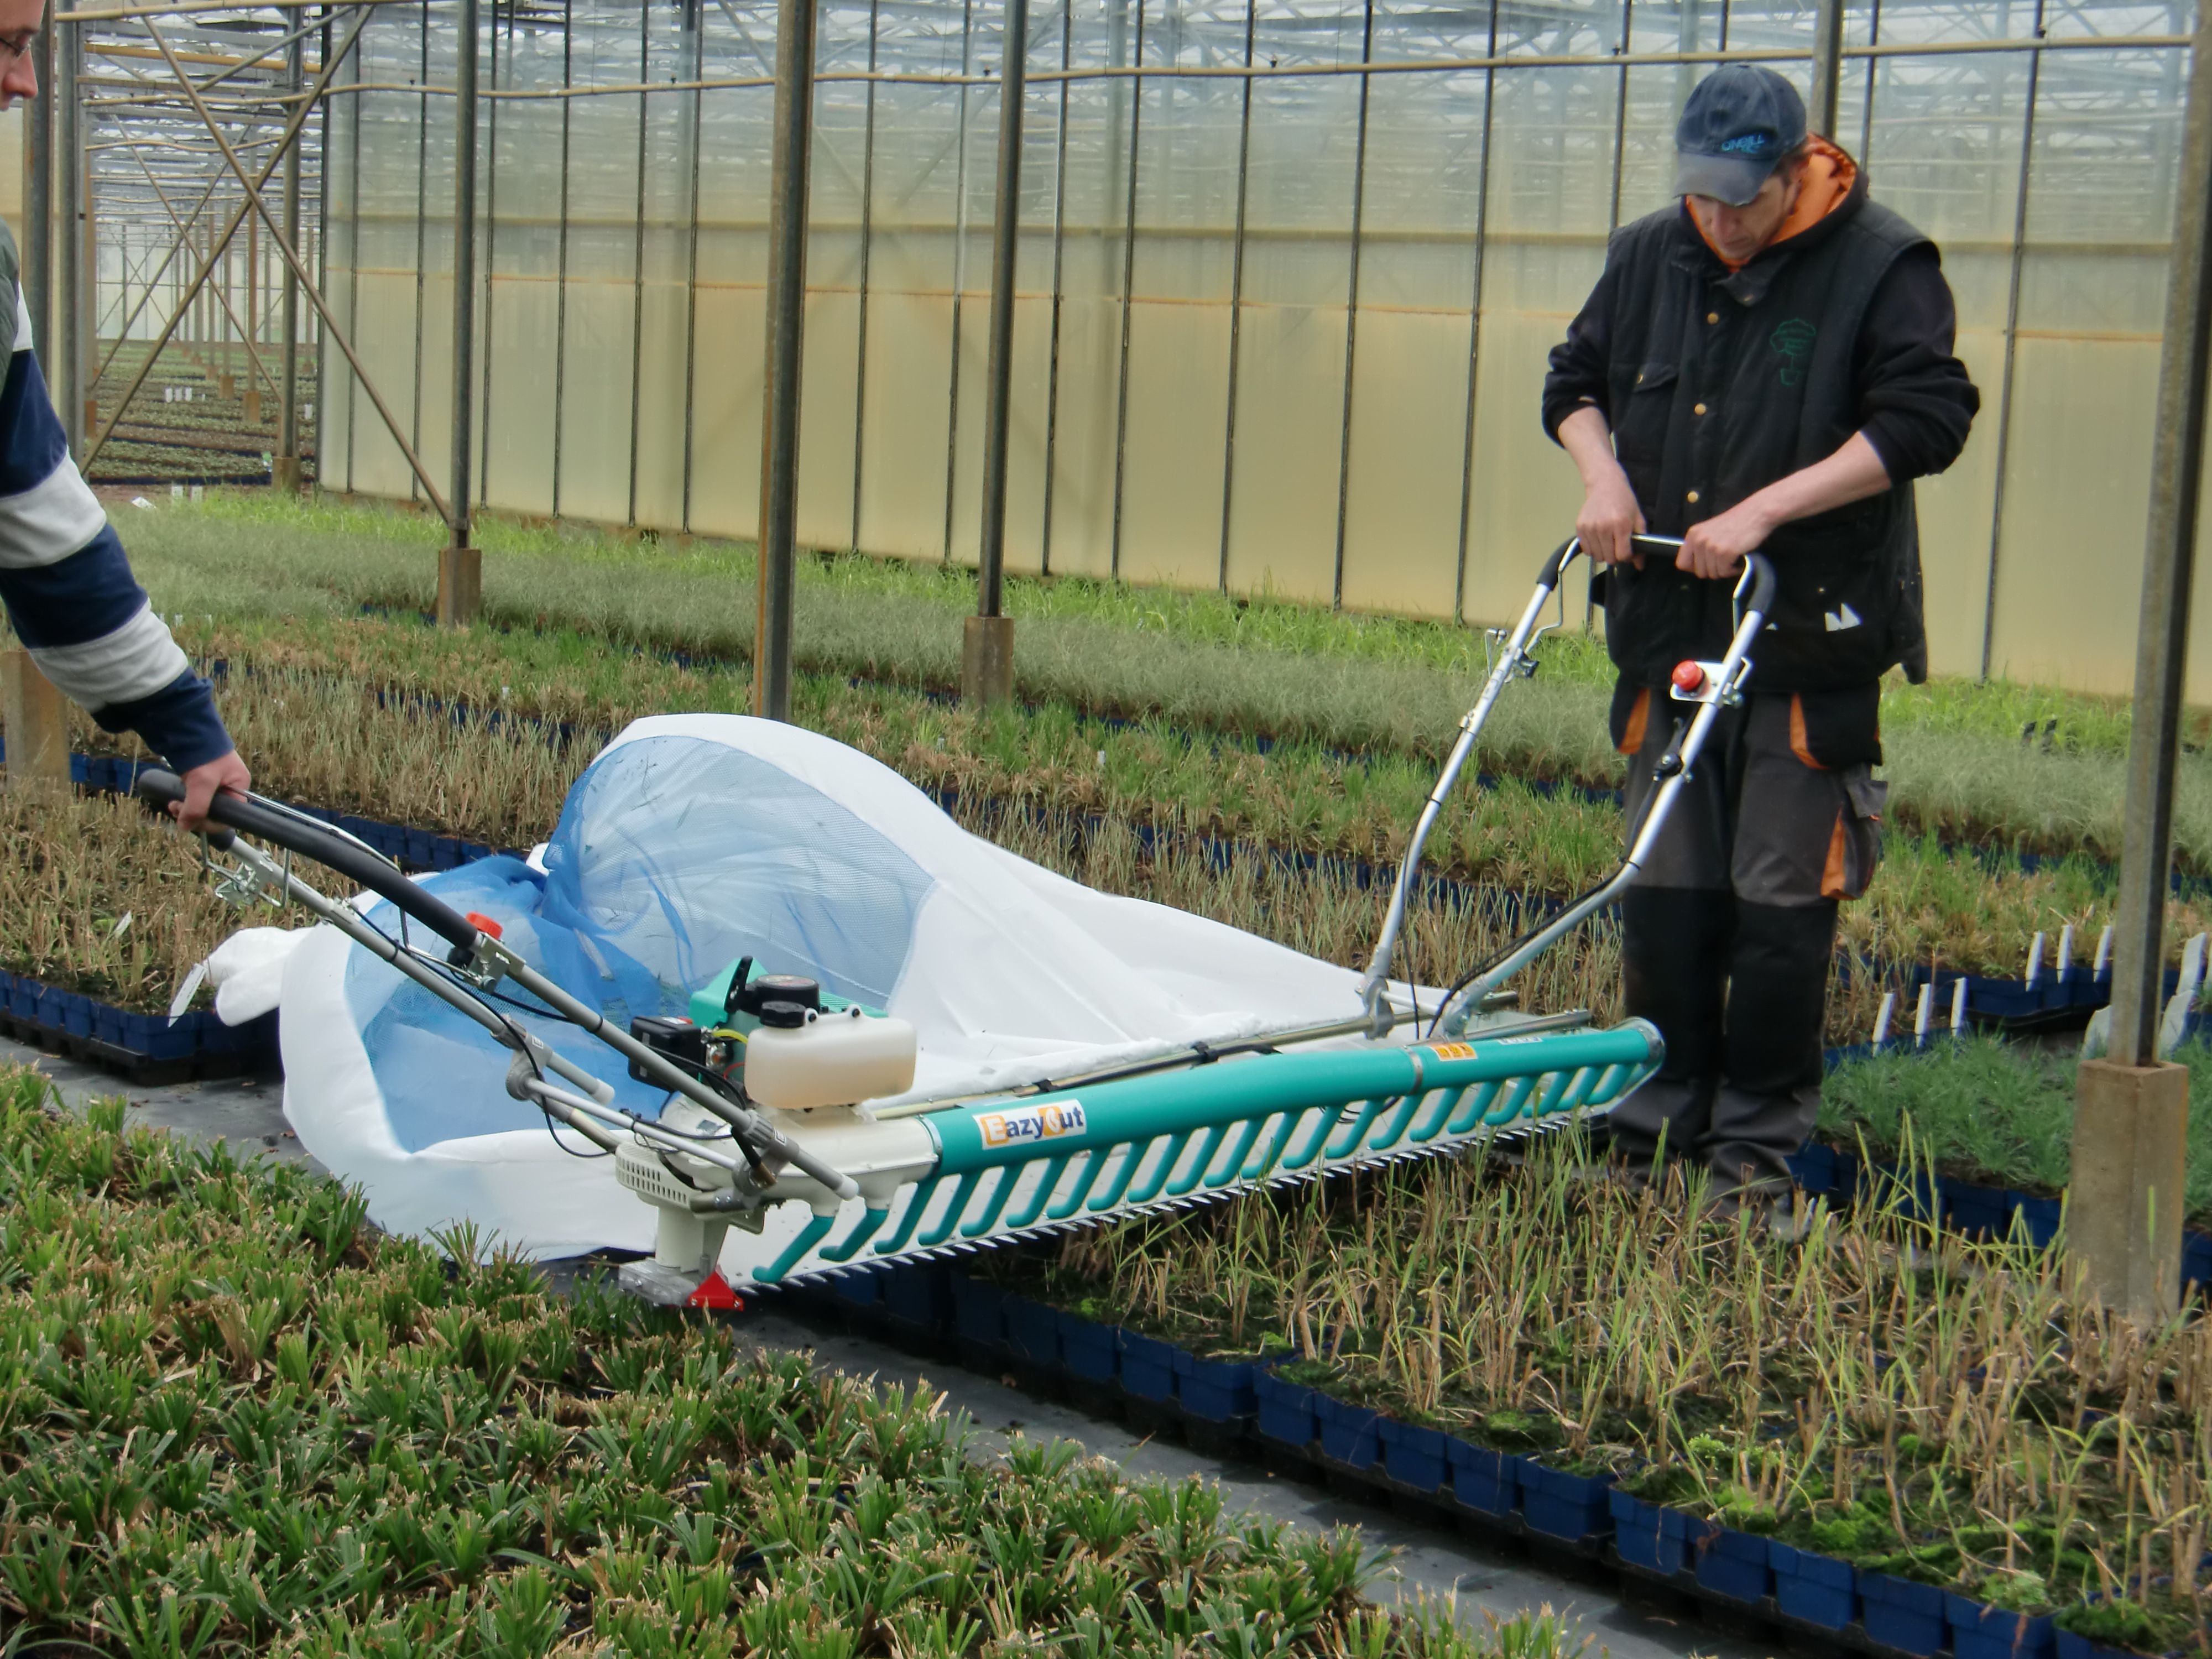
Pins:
x: 324, y: 846
x: 1761, y: 598
x: 1549, y: 576
x: 158, y: 789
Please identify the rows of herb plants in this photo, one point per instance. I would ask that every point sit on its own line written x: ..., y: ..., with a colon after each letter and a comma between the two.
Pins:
x: 237, y: 1421
x: 321, y: 707
x: 77, y: 864
x: 1947, y: 1413
x: 180, y: 425
x: 1999, y: 1114
x: 1957, y: 764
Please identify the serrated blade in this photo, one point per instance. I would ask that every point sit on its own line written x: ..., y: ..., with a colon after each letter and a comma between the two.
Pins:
x: 811, y: 1269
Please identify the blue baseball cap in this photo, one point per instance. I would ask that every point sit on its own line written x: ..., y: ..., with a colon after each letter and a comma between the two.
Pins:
x: 1740, y: 123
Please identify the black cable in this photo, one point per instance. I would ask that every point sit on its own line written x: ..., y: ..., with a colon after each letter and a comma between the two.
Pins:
x: 553, y: 1128
x: 1502, y: 954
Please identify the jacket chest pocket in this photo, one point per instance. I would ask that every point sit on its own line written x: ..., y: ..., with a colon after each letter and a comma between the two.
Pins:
x: 1643, y: 409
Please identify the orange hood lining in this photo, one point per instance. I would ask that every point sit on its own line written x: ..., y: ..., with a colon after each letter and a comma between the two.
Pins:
x: 1829, y: 175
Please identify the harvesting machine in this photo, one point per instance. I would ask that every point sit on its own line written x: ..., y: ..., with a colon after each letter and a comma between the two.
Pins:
x: 765, y: 1159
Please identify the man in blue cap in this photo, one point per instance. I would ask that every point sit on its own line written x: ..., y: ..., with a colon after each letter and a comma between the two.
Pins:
x: 1764, y: 364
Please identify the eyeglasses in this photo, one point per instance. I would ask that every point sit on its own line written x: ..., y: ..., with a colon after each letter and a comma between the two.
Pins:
x: 13, y: 52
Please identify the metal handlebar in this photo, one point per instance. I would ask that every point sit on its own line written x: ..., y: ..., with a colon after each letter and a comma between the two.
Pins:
x: 474, y: 950
x: 1755, y: 594
x: 327, y: 847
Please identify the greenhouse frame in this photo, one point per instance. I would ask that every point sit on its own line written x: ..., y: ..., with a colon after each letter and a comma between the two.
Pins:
x: 1254, y: 239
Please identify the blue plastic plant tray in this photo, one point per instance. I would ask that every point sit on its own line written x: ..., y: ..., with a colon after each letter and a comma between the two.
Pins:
x: 1091, y: 1351
x: 1573, y: 1508
x: 1981, y: 1631
x: 1148, y: 1367
x: 1733, y: 1565
x: 1285, y: 1410
x: 1348, y: 1433
x: 1649, y: 1537
x: 1215, y: 1390
x: 1816, y: 1588
x: 1413, y: 1455
x: 1486, y: 1481
x: 1902, y: 1614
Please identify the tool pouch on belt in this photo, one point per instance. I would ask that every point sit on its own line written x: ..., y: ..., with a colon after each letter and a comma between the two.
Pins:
x: 1854, y: 848
x: 1840, y: 732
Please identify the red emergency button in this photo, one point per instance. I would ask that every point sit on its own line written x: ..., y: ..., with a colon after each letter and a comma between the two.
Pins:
x: 1689, y: 678
x: 484, y: 924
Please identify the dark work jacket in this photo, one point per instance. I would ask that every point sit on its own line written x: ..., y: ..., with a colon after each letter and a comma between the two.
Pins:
x: 1767, y: 354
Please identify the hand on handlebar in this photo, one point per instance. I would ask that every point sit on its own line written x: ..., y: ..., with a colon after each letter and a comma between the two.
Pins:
x: 224, y: 772
x: 1716, y: 548
x: 1609, y: 520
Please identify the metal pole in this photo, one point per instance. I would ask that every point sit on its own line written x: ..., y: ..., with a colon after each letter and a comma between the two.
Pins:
x: 2131, y: 1114
x: 1237, y: 297
x: 1474, y: 327
x: 987, y: 660
x: 460, y: 567
x: 286, y: 470
x: 252, y: 330
x: 1058, y: 291
x: 637, y: 256
x: 69, y: 309
x: 2011, y: 345
x: 561, y: 265
x: 959, y: 273
x: 1828, y: 67
x: 38, y: 271
x: 867, y: 253
x: 1351, y: 307
x: 786, y: 317
x: 1128, y: 282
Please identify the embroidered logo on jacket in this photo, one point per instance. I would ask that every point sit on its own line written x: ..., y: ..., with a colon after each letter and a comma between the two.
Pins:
x: 1793, y: 343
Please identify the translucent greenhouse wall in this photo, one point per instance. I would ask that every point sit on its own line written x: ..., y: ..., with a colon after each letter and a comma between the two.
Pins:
x: 1278, y: 333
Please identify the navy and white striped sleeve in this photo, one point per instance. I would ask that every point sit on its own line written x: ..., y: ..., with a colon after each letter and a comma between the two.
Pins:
x: 69, y: 590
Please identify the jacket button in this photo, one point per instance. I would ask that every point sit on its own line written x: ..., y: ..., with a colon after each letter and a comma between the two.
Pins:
x: 1712, y: 316
x: 1693, y: 498
x: 1639, y: 377
x: 1699, y: 410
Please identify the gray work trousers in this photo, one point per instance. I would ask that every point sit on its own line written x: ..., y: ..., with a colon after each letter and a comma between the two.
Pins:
x: 1728, y: 936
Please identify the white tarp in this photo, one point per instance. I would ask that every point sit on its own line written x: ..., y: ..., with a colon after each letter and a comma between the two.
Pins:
x: 694, y: 840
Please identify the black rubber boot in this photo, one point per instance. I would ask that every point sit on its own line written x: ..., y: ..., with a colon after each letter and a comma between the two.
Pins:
x: 1674, y: 951
x: 1770, y: 1093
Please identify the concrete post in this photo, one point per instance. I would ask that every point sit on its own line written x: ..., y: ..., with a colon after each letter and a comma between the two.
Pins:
x: 2130, y: 1111
x: 2130, y: 1157
x: 36, y: 716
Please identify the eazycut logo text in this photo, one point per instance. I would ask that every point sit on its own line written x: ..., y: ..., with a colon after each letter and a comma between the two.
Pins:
x: 1062, y: 1117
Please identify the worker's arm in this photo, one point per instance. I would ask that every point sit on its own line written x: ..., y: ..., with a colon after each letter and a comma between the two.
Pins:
x: 1609, y: 515
x: 1715, y: 547
x: 72, y: 601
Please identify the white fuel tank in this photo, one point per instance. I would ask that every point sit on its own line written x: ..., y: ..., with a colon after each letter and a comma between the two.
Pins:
x: 827, y: 1060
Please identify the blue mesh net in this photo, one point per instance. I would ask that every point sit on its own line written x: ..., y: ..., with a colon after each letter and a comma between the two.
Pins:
x: 673, y: 857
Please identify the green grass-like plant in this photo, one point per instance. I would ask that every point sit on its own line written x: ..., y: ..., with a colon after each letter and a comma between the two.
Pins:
x: 1197, y: 661
x: 2001, y: 1111
x: 236, y: 1421
x: 1953, y: 1413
